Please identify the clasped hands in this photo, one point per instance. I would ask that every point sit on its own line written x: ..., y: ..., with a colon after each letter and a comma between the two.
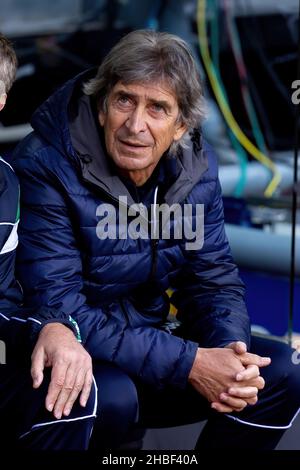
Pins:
x: 229, y: 378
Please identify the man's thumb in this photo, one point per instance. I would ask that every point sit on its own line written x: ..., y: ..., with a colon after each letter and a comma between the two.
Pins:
x: 240, y: 347
x: 37, y: 368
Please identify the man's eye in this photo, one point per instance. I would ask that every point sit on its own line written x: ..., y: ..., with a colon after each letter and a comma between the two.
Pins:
x: 157, y: 107
x: 123, y: 100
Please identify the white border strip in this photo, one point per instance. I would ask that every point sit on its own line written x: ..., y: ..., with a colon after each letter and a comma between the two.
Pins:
x: 32, y: 319
x: 265, y: 426
x: 36, y: 426
x: 12, y: 241
x: 96, y: 398
x: 2, y: 160
x: 5, y: 318
x: 20, y: 319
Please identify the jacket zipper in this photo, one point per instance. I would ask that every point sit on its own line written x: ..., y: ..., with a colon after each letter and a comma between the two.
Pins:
x: 154, y: 244
x: 154, y: 241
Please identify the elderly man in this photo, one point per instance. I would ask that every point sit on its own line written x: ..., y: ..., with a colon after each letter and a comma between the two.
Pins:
x: 120, y: 201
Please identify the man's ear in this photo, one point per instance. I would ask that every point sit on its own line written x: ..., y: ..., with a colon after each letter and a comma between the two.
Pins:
x: 2, y: 100
x: 181, y: 128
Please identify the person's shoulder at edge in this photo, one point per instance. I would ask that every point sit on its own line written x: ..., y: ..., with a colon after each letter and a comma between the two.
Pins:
x: 8, y: 178
x: 28, y: 147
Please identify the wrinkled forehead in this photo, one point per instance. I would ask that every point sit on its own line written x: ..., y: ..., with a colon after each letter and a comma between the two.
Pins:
x: 153, y: 90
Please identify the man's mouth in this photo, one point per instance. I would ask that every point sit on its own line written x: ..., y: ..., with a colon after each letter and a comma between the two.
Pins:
x: 133, y: 144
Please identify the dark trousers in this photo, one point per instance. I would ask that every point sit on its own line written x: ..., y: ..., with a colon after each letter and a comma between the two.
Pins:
x: 123, y: 406
x: 25, y: 422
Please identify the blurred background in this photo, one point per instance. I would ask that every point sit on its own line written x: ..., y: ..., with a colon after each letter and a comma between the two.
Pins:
x: 247, y: 54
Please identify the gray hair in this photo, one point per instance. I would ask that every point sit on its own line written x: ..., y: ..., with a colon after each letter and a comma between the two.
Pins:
x: 8, y: 64
x: 150, y: 56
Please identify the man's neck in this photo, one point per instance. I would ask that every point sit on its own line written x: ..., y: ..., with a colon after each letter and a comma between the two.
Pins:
x: 137, y: 177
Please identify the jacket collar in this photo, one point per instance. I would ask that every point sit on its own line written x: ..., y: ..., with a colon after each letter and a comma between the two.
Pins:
x: 193, y: 163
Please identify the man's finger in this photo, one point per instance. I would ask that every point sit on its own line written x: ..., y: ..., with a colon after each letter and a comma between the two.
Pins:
x: 249, y: 358
x: 258, y: 382
x: 252, y: 401
x: 251, y: 372
x: 37, y: 367
x: 221, y: 408
x: 243, y: 392
x: 233, y: 402
x: 78, y: 385
x: 86, y: 388
x: 73, y: 383
x: 58, y: 375
x: 238, y: 346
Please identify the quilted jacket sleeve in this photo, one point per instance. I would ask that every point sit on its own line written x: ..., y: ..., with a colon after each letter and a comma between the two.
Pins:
x: 17, y: 325
x: 209, y: 293
x: 50, y: 270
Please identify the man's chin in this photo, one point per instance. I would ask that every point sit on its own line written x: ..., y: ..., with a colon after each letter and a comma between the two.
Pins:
x: 132, y: 163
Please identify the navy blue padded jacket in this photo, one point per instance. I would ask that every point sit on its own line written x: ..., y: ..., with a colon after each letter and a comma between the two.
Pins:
x: 115, y: 289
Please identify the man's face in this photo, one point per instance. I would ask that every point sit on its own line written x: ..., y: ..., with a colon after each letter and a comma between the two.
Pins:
x: 140, y: 125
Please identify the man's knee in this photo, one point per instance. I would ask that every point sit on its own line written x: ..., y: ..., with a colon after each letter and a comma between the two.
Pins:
x: 117, y: 400
x: 292, y: 371
x: 120, y: 407
x: 284, y: 370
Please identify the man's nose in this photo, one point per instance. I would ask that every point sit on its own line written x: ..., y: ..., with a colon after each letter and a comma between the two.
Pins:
x: 136, y: 122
